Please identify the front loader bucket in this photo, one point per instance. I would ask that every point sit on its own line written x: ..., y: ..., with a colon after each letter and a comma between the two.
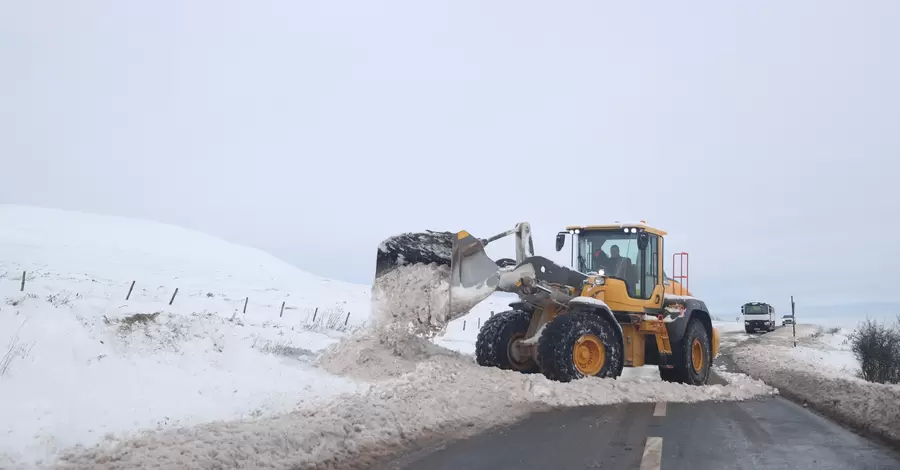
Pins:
x: 412, y: 248
x: 473, y: 275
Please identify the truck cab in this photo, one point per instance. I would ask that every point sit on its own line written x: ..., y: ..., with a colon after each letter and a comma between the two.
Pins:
x: 758, y: 316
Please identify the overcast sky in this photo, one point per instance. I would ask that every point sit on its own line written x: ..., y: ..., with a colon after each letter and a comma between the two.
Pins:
x: 763, y: 136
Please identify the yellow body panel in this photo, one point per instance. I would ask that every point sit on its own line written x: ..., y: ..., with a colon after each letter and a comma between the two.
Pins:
x: 676, y: 288
x: 634, y: 346
x: 715, y: 342
x: 615, y: 295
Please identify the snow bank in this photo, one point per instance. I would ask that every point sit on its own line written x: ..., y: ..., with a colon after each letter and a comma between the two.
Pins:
x: 445, y: 394
x: 91, y: 364
x: 417, y: 390
x: 820, y: 381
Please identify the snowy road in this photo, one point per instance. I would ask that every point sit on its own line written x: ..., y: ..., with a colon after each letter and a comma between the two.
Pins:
x: 771, y: 433
x: 765, y: 433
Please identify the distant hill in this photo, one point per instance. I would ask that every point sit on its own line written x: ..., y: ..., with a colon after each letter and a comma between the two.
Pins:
x: 848, y: 314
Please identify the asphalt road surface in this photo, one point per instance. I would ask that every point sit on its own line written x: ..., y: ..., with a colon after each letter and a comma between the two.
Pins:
x: 770, y: 433
x: 760, y: 434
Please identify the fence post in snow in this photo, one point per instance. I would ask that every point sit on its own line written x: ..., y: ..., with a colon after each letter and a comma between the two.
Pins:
x: 794, y: 321
x: 479, y: 323
x: 129, y: 290
x: 173, y: 296
x: 22, y: 289
x: 348, y: 319
x: 246, y: 299
x: 282, y: 310
x: 314, y: 314
x: 464, y: 325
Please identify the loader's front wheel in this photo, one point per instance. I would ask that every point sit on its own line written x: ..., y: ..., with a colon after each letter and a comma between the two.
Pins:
x: 494, y: 342
x: 693, y: 367
x: 579, y: 345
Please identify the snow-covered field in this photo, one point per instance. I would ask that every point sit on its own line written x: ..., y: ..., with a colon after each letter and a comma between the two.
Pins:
x: 95, y: 363
x: 821, y: 371
x: 201, y: 384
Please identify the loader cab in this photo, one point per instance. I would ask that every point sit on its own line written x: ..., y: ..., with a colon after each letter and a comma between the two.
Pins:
x: 629, y: 256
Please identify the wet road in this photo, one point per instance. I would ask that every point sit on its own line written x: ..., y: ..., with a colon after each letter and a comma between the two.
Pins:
x: 761, y: 434
x: 771, y: 433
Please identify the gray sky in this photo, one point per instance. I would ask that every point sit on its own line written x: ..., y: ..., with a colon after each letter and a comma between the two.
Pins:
x: 762, y: 135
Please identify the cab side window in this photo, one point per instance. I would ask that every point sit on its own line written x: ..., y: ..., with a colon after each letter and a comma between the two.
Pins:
x: 648, y: 276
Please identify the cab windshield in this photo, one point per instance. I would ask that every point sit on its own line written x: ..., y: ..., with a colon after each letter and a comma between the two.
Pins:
x: 614, y: 252
x: 756, y: 309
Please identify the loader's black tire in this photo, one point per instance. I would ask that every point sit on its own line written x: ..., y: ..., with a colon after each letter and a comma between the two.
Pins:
x: 684, y: 371
x: 495, y: 337
x: 557, y: 343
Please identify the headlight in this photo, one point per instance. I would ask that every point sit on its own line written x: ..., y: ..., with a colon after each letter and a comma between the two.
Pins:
x: 599, y: 280
x: 746, y: 322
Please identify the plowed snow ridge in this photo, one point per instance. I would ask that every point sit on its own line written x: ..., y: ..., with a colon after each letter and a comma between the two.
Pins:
x: 417, y: 389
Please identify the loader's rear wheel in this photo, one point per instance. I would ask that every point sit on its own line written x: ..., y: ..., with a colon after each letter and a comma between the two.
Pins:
x: 579, y: 345
x: 494, y: 342
x: 693, y: 367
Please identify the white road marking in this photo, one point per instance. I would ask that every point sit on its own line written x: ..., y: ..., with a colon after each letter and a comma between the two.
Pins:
x: 652, y: 458
x: 660, y: 409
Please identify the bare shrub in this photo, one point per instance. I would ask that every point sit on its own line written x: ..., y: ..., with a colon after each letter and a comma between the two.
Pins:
x: 15, y: 349
x: 333, y: 318
x: 128, y: 323
x: 285, y: 350
x: 59, y: 299
x: 877, y: 348
x: 833, y: 331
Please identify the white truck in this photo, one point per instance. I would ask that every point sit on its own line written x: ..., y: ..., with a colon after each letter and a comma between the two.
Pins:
x: 758, y: 316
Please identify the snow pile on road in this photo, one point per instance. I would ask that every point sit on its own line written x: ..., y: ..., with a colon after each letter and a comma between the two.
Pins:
x: 442, y: 393
x: 88, y: 363
x: 823, y: 380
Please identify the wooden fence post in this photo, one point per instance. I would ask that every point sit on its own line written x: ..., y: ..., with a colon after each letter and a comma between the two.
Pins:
x: 348, y: 319
x: 464, y: 325
x: 314, y: 314
x: 479, y: 323
x: 129, y: 290
x: 247, y: 299
x: 282, y: 310
x: 173, y: 296
x: 22, y: 289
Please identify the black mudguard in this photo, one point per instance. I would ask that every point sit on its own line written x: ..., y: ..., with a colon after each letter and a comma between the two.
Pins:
x: 693, y: 308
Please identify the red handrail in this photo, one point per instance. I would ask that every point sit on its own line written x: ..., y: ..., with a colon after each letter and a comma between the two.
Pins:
x: 682, y: 272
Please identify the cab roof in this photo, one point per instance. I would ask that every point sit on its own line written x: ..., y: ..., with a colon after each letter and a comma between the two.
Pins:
x: 618, y: 226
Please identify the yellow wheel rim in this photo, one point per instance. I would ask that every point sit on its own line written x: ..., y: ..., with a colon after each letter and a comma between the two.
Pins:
x: 589, y: 355
x: 697, y: 355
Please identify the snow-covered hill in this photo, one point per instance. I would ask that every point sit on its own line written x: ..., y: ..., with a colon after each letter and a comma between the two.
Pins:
x: 79, y: 361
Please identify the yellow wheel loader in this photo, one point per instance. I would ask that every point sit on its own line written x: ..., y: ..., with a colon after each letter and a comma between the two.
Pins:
x: 614, y: 308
